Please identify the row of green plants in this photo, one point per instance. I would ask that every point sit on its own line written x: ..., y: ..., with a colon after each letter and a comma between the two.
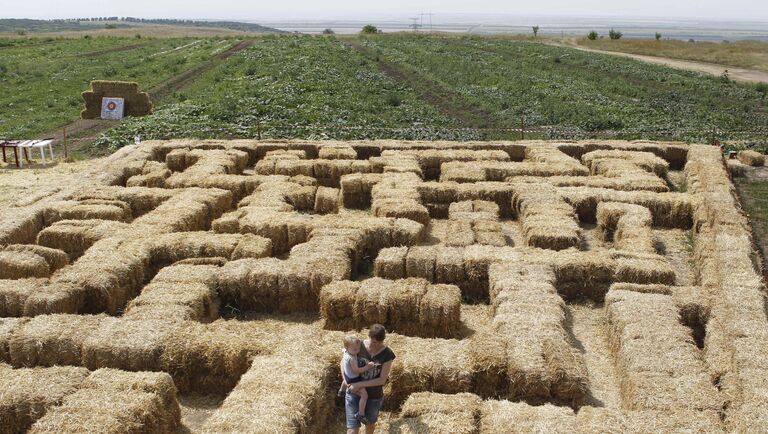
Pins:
x: 292, y: 86
x: 579, y: 92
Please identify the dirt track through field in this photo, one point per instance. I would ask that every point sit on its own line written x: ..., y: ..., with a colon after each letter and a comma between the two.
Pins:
x: 111, y: 50
x: 445, y: 100
x: 735, y: 73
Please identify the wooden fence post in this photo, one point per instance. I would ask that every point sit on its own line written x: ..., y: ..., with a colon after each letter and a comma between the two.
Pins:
x: 64, y: 142
x: 522, y: 128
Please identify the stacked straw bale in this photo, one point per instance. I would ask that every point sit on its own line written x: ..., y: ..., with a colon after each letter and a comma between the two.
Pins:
x: 153, y: 174
x: 427, y: 365
x: 628, y: 225
x: 356, y: 189
x: 27, y: 394
x: 136, y: 103
x: 669, y: 210
x: 396, y: 196
x: 548, y: 222
x: 407, y: 306
x: 76, y: 236
x: 751, y: 158
x: 427, y: 412
x: 98, y: 209
x: 336, y: 152
x: 431, y: 160
x: 659, y: 364
x: 531, y: 317
x: 498, y: 417
x: 474, y: 222
x: 191, y: 210
x: 297, y: 400
x: 49, y: 340
x: 113, y: 401
x: 182, y: 292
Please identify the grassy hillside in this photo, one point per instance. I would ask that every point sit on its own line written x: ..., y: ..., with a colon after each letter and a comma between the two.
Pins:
x: 745, y: 54
x: 74, y: 25
x: 42, y: 80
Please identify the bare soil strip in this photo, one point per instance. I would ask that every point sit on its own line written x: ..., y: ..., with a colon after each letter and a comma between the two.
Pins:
x: 445, y: 100
x: 112, y: 50
x: 734, y: 73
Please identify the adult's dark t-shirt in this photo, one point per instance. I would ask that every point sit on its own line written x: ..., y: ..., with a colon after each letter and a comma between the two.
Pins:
x: 379, y: 360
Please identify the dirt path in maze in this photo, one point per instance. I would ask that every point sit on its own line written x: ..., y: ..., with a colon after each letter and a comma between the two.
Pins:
x: 447, y: 101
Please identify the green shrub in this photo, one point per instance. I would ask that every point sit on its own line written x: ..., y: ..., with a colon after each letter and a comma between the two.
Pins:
x: 592, y: 36
x: 658, y: 36
x: 615, y: 34
x: 369, y: 29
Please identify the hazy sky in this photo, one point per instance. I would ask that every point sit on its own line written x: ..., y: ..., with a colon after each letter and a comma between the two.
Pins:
x: 752, y: 10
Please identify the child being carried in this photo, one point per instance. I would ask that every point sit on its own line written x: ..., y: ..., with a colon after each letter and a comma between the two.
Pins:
x: 351, y: 373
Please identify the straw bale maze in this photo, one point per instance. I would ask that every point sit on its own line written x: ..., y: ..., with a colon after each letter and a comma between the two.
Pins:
x: 528, y: 287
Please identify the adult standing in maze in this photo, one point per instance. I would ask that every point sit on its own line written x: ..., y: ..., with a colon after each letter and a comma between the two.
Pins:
x: 374, y: 350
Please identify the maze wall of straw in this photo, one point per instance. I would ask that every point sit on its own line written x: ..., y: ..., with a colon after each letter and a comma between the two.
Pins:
x: 526, y: 286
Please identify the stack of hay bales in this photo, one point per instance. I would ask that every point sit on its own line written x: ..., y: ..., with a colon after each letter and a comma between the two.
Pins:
x: 497, y: 417
x: 548, y: 221
x: 48, y: 340
x: 191, y: 210
x: 644, y: 160
x: 659, y: 365
x: 27, y: 394
x: 116, y: 401
x: 669, y: 210
x: 181, y: 292
x: 356, y: 189
x: 465, y: 267
x: 751, y: 158
x: 153, y: 174
x: 336, y: 152
x: 474, y: 222
x: 18, y: 261
x: 407, y: 306
x: 210, y: 169
x: 100, y: 209
x: 531, y: 317
x: 431, y: 160
x: 76, y: 236
x: 627, y: 225
x: 427, y: 412
x: 736, y: 340
x: 298, y: 398
x: 396, y: 196
x: 136, y: 103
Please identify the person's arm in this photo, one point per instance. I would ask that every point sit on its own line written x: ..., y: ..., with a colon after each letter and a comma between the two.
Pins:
x: 380, y: 381
x: 358, y: 370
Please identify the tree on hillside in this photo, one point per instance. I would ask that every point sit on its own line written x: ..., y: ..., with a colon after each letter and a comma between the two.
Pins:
x: 615, y: 34
x: 369, y: 29
x: 592, y: 36
x: 535, y: 31
x: 658, y: 36
x: 328, y: 32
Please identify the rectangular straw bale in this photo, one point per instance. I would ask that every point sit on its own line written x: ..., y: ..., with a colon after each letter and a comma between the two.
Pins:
x: 599, y: 419
x: 14, y: 294
x: 210, y: 358
x: 643, y: 268
x: 48, y: 340
x: 337, y: 301
x: 193, y: 301
x: 497, y: 417
x: 427, y: 412
x: 420, y: 262
x: 584, y: 274
x: 23, y: 264
x: 76, y: 236
x: 404, y: 302
x: 434, y: 365
x: 112, y: 411
x: 296, y: 293
x: 54, y: 257
x: 8, y: 327
x: 27, y: 394
x: 751, y: 158
x: 252, y: 246
x: 449, y: 265
x: 132, y: 345
x: 295, y: 403
x: 660, y: 366
x: 390, y: 263
x: 440, y: 310
x: 252, y: 283
x: 327, y: 200
x: 334, y: 152
x: 459, y: 233
x: 488, y: 356
x: 371, y: 301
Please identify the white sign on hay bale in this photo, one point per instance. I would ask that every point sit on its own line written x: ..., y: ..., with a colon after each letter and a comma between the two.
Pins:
x: 112, y: 108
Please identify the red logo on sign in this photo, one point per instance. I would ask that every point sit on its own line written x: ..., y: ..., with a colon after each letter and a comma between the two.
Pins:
x: 111, y: 105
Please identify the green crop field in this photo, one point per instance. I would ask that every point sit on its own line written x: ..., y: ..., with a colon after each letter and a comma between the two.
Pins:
x: 42, y: 78
x: 387, y: 86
